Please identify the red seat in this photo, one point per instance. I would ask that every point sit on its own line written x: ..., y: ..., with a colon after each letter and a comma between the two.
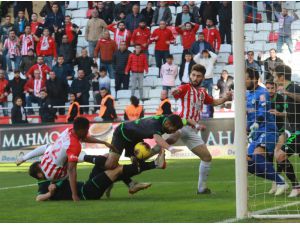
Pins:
x: 273, y: 37
x: 230, y: 59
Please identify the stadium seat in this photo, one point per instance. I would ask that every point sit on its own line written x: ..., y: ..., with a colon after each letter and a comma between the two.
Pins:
x: 250, y: 27
x: 82, y: 42
x: 112, y: 83
x: 297, y: 6
x: 256, y: 47
x: 69, y: 13
x: 225, y: 48
x: 223, y: 57
x: 173, y: 10
x: 131, y: 48
x: 123, y: 94
x: 157, y: 82
x: 275, y: 26
x: 176, y: 49
x: 297, y: 46
x: 291, y: 5
x: 153, y: 28
x: 145, y: 93
x: 152, y: 102
x: 229, y: 68
x: 249, y: 35
x: 178, y: 39
x: 149, y: 81
x: 154, y: 93
x: 177, y: 59
x: 273, y: 37
x: 261, y: 36
x: 230, y: 59
x: 260, y: 7
x: 264, y: 27
x: 218, y: 69
x: 296, y: 25
x: 83, y: 4
x: 269, y: 46
x: 178, y: 9
x: 73, y: 5
x: 79, y: 13
x: 153, y: 71
x: 151, y: 49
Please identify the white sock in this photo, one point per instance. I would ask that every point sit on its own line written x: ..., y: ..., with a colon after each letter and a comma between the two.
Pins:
x: 203, y: 174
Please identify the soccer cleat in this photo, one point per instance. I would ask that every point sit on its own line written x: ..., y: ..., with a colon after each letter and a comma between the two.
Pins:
x: 294, y: 193
x: 160, y: 161
x: 281, y: 189
x: 136, y: 187
x: 19, y: 161
x: 273, y: 188
x: 206, y: 191
x: 108, y: 191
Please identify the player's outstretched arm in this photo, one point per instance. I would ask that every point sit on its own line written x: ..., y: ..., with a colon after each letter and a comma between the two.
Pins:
x: 163, y: 144
x: 193, y: 123
x: 221, y: 101
x: 97, y: 141
x: 43, y: 197
x: 72, y: 172
x: 32, y: 154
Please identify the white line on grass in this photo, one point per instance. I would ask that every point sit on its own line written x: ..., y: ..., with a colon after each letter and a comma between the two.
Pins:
x: 15, y: 187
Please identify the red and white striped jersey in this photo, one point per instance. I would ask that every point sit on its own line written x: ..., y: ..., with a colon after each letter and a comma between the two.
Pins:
x: 65, y: 149
x: 192, y: 100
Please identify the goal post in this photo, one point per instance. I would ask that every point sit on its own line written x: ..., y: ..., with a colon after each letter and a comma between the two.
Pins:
x: 240, y: 135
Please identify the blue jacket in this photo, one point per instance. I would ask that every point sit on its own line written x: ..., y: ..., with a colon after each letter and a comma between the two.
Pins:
x: 132, y: 22
x: 258, y: 106
x: 54, y: 19
x: 64, y: 71
x: 195, y: 49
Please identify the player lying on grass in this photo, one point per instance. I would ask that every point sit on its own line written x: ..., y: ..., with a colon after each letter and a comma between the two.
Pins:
x: 92, y: 189
x: 60, y: 158
x: 262, y: 129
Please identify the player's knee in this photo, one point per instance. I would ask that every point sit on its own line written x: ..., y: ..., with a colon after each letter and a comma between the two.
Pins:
x: 110, y: 164
x: 206, y: 158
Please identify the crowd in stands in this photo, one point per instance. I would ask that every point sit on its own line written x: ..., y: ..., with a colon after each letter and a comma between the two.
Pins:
x: 50, y: 69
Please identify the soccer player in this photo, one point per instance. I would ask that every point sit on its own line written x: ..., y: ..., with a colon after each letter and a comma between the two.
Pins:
x: 262, y: 130
x: 193, y: 97
x: 59, y: 161
x: 291, y: 93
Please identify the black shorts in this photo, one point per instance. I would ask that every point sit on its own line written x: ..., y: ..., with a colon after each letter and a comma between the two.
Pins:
x: 94, y: 188
x: 121, y: 143
x: 292, y: 144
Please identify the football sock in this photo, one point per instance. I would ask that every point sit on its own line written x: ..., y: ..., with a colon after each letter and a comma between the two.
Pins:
x: 147, y: 166
x: 98, y: 160
x: 203, y: 174
x: 288, y: 168
x: 264, y: 169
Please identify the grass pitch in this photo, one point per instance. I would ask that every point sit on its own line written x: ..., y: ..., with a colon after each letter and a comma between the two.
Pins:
x: 172, y: 197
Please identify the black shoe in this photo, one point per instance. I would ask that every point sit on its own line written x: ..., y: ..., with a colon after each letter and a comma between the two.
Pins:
x: 206, y: 191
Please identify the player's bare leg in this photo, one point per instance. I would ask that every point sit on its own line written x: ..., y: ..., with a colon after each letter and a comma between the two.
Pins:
x: 202, y: 152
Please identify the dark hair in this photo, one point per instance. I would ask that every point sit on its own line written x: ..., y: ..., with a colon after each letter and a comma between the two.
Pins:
x: 95, y: 65
x: 103, y: 89
x: 59, y: 56
x: 252, y: 73
x: 285, y: 71
x: 121, y: 22
x: 188, y: 53
x: 43, y: 90
x: 273, y: 49
x: 201, y: 33
x: 16, y: 71
x: 68, y: 16
x: 175, y: 120
x: 21, y: 11
x: 34, y: 14
x: 17, y: 98
x: 250, y: 52
x: 31, y: 49
x: 271, y: 82
x: 46, y: 28
x: 134, y: 101
x: 199, y: 68
x: 55, y: 3
x: 103, y: 69
x: 185, y: 5
x: 81, y: 123
x: 8, y: 16
x: 170, y: 57
x: 34, y: 169
x: 27, y: 26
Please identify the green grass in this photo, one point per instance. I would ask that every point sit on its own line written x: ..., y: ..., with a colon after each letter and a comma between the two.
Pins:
x: 172, y: 197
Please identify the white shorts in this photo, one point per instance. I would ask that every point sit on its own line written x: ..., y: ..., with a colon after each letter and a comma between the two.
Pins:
x: 190, y: 137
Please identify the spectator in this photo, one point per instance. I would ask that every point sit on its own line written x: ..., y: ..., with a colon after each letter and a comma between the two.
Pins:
x: 107, y: 110
x: 207, y: 10
x: 93, y: 31
x: 120, y: 59
x: 27, y: 61
x: 184, y: 17
x: 84, y: 62
x: 133, y: 19
x: 106, y: 47
x: 6, y: 28
x: 137, y: 64
x: 81, y: 87
x: 20, y: 23
x: 251, y: 7
x: 92, y: 7
x: 251, y: 63
x: 271, y: 63
x: 225, y: 84
x: 188, y: 35
x: 17, y: 86
x: 104, y: 14
x: 46, y: 111
x: 200, y: 45
x: 207, y: 59
x: 168, y: 73
x: 95, y: 86
x: 67, y: 50
x: 74, y: 108
x: 120, y: 17
x: 225, y: 15
x: 71, y: 30
x: 33, y: 87
x: 123, y: 6
x: 148, y: 13
x: 162, y: 13
x: 46, y: 47
x: 285, y: 33
x: 104, y: 81
x: 212, y: 35
x: 12, y: 47
x: 185, y: 68
x: 47, y: 8
x: 27, y: 41
x: 195, y: 11
x: 35, y: 26
x: 40, y: 66
x: 18, y: 112
x: 165, y: 104
x: 163, y: 38
x: 268, y: 5
x: 54, y: 19
x: 120, y: 33
x: 109, y: 7
x: 22, y: 6
x: 4, y: 91
x: 134, y: 111
x: 57, y: 92
x: 62, y: 70
x: 141, y: 36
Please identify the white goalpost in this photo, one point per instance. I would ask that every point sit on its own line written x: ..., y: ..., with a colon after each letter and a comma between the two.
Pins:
x: 252, y: 198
